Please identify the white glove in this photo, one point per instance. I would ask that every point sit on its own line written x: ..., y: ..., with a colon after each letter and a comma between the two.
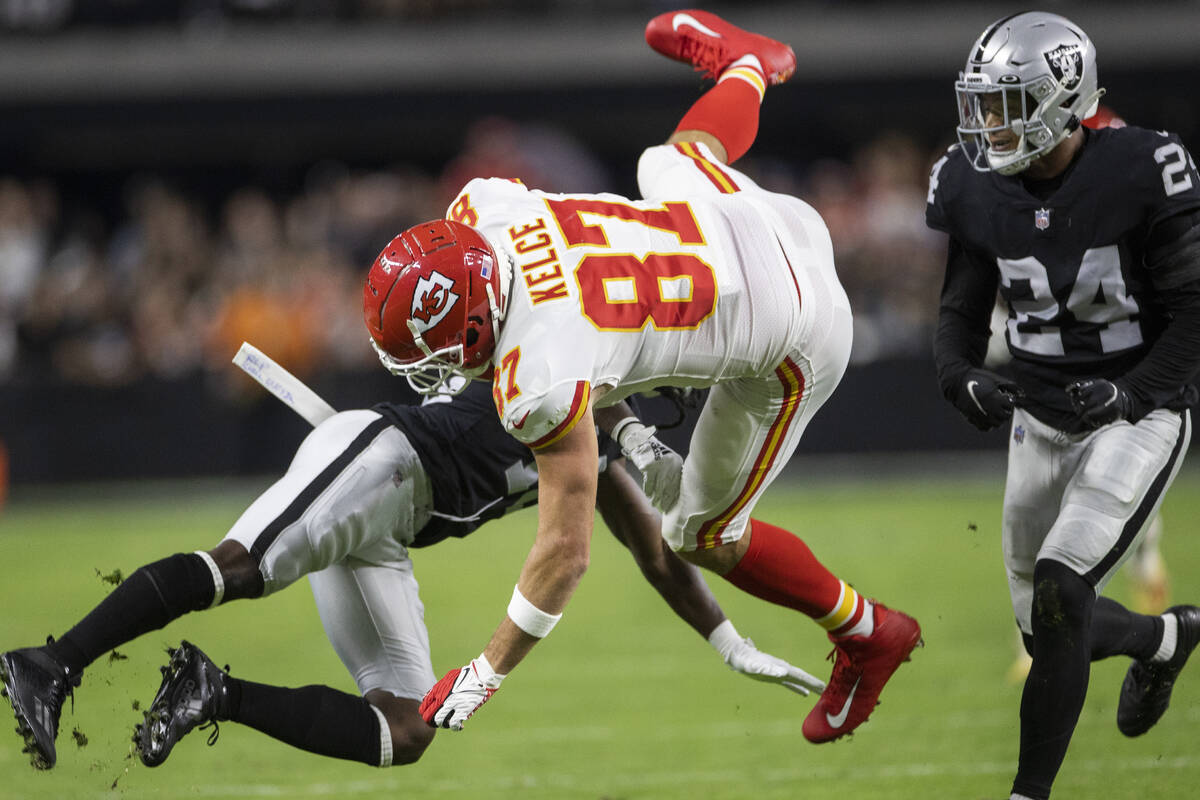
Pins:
x: 742, y: 656
x: 661, y: 467
x: 459, y: 694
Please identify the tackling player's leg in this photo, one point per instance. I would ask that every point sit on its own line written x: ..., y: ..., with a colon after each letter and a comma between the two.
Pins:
x: 374, y: 619
x: 379, y: 730
x: 37, y: 679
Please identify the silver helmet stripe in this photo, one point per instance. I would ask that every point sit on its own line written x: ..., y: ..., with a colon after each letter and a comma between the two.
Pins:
x: 987, y: 37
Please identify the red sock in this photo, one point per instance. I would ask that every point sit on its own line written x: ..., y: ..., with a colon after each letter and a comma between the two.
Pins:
x: 728, y: 111
x: 779, y: 568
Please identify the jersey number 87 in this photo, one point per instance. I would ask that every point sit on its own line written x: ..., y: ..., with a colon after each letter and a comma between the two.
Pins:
x: 620, y: 291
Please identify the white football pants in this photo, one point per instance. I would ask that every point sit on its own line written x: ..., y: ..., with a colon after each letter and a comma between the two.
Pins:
x: 750, y: 427
x: 1084, y: 499
x: 353, y: 497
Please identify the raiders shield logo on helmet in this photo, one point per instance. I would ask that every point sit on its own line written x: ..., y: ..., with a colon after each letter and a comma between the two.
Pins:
x: 1066, y: 64
x: 432, y: 300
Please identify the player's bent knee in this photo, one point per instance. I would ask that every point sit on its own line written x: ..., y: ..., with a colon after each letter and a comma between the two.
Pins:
x: 410, y: 734
x: 1061, y: 597
x: 409, y: 741
x: 239, y: 571
x: 719, y: 559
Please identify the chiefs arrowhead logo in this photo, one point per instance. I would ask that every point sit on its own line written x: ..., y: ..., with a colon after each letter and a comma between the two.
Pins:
x: 432, y: 300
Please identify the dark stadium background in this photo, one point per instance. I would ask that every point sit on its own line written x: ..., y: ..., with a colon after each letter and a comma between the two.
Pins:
x: 247, y: 110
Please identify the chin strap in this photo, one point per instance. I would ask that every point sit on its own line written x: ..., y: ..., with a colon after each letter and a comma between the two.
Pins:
x: 499, y: 306
x: 417, y: 338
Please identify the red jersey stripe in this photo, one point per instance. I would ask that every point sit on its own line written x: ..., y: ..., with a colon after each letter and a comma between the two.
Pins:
x: 579, y: 404
x: 792, y: 377
x: 717, y: 176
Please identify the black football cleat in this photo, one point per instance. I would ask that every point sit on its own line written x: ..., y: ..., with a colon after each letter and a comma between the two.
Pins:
x: 36, y: 685
x: 1146, y: 691
x: 193, y: 694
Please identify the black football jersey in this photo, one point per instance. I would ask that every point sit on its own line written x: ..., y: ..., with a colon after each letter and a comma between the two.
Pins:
x: 476, y: 470
x: 1071, y: 267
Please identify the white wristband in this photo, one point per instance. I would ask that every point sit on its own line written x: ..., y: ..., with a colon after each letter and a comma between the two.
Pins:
x: 621, y: 428
x: 724, y: 638
x: 528, y: 617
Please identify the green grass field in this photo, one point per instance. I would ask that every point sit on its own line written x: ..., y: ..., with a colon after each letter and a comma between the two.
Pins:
x: 622, y: 701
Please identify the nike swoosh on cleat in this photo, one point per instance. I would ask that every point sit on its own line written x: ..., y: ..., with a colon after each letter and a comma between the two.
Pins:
x: 687, y: 19
x: 840, y: 719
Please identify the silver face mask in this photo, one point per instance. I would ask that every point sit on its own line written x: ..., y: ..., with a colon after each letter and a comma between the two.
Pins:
x: 1029, y: 81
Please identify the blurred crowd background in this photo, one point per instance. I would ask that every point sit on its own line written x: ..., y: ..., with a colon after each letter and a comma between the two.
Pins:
x: 149, y: 223
x: 171, y: 280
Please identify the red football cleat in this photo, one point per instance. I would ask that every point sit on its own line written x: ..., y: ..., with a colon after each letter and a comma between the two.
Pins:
x: 710, y: 44
x: 861, y: 667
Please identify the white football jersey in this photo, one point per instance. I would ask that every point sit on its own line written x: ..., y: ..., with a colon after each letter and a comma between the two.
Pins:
x: 633, y: 294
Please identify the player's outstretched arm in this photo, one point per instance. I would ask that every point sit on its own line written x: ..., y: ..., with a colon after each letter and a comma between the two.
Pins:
x: 552, y: 570
x: 629, y: 517
x: 634, y: 523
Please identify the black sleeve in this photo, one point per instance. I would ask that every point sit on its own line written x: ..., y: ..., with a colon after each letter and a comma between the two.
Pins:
x: 1173, y: 258
x: 964, y: 316
x: 1172, y: 248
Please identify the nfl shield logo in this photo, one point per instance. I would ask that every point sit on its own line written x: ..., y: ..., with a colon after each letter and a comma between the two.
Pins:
x: 1041, y: 219
x: 1019, y: 435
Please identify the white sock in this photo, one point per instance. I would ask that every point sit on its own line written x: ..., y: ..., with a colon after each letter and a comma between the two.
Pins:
x: 866, y: 623
x: 1015, y: 796
x: 865, y: 626
x: 748, y: 61
x: 749, y: 69
x: 1166, y: 648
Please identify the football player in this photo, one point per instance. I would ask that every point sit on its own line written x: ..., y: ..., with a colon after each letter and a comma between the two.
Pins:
x: 1092, y: 238
x: 567, y: 303
x: 1146, y: 569
x: 363, y: 488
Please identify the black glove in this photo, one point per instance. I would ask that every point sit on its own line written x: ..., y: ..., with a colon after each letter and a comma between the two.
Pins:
x: 986, y: 399
x: 1097, y: 401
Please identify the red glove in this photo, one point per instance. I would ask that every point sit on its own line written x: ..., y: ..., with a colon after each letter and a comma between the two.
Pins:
x: 459, y: 694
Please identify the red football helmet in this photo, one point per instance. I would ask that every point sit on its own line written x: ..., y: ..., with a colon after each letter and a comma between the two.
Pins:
x: 433, y: 303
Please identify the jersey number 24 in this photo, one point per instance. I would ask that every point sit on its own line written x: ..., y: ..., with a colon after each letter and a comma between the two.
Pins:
x: 1098, y: 296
